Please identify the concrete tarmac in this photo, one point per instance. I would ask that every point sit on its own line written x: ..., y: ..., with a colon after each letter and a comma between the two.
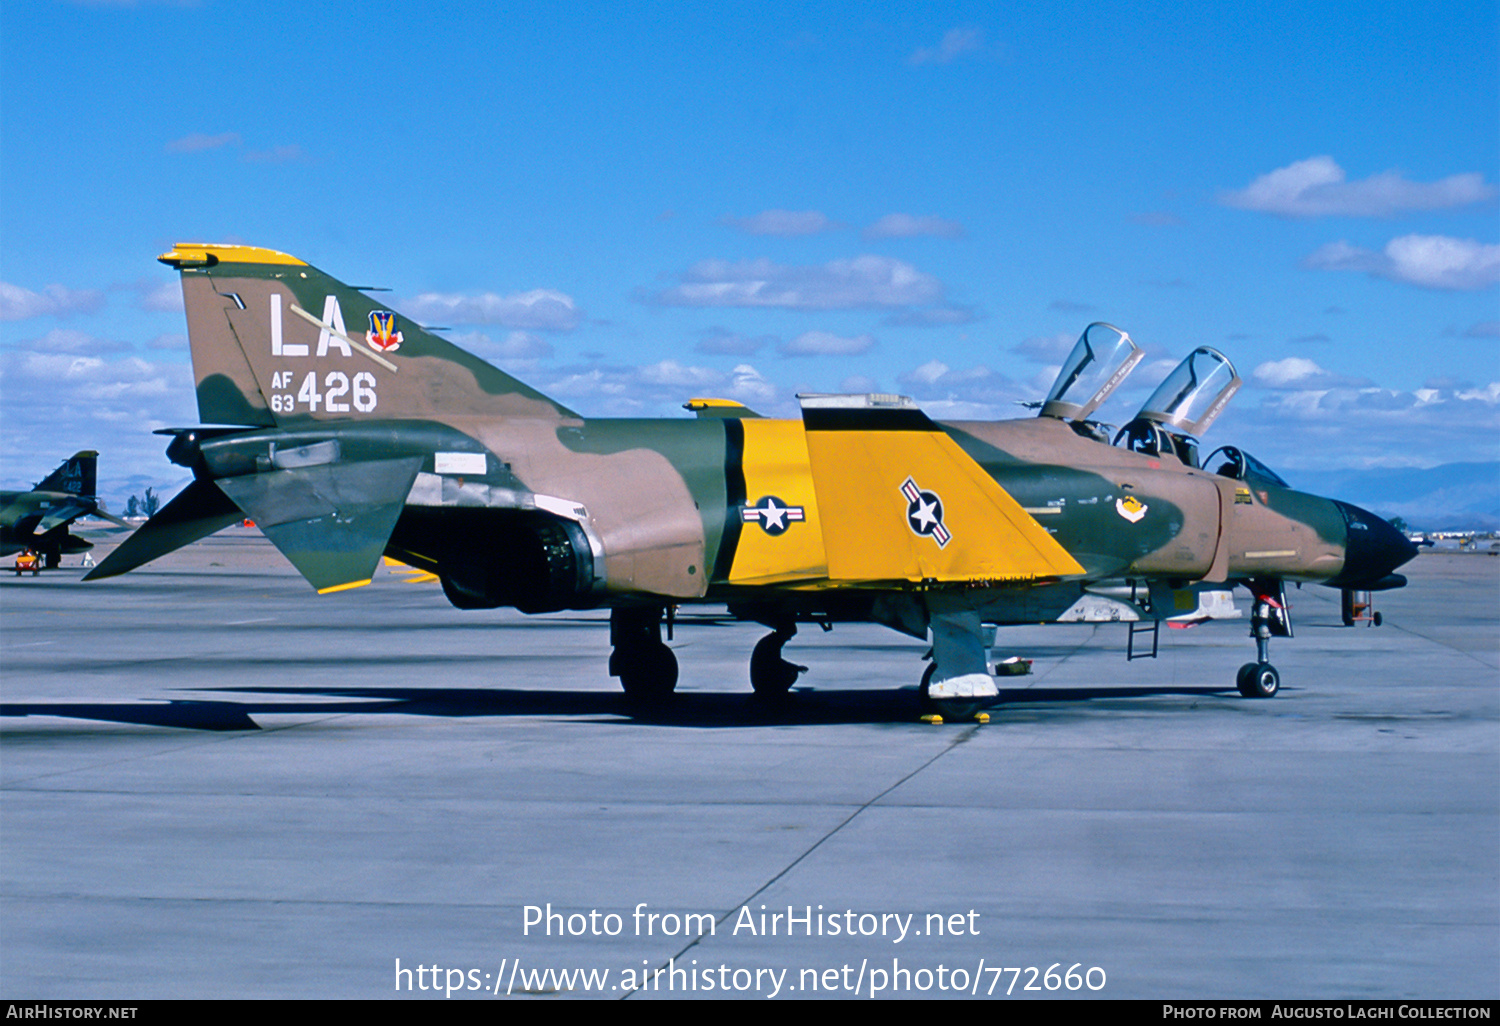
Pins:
x: 219, y: 784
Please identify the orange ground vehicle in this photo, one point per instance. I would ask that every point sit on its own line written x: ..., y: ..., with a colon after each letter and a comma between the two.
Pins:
x: 28, y: 560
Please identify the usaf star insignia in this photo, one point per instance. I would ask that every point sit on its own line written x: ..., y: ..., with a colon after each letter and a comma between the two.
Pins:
x: 924, y: 514
x: 773, y: 515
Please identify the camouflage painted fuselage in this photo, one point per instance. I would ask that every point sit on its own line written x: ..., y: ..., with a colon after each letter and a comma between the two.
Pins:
x: 348, y: 432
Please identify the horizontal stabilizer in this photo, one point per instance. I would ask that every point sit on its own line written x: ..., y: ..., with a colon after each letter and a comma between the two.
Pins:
x: 900, y: 501
x: 198, y: 511
x: 331, y: 521
x: 62, y: 513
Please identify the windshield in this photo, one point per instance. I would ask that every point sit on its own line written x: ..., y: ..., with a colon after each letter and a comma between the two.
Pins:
x: 1194, y: 394
x: 1227, y: 461
x: 1100, y: 360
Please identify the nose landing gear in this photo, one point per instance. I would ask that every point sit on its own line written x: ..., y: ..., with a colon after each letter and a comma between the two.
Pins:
x: 1268, y: 619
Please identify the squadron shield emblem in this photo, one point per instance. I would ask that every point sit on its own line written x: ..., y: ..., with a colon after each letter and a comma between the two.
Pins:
x: 1131, y: 508
x: 383, y: 334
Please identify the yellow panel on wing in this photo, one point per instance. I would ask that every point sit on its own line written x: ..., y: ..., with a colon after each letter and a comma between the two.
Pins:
x: 900, y: 501
x: 780, y: 539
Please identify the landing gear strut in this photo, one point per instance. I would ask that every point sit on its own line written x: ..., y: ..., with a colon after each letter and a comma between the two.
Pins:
x: 770, y: 674
x: 957, y: 684
x: 645, y: 665
x: 1268, y: 619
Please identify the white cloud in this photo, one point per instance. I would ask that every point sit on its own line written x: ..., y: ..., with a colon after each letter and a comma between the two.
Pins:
x: 927, y: 374
x: 823, y: 343
x: 676, y: 375
x: 18, y: 304
x: 865, y: 281
x: 1296, y: 416
x: 518, y: 345
x: 1317, y: 187
x: 749, y: 386
x: 275, y: 155
x: 165, y: 298
x: 1431, y: 261
x: 78, y: 343
x: 905, y: 226
x: 932, y: 316
x: 783, y: 223
x: 955, y: 43
x: 977, y: 393
x: 198, y: 141
x: 1297, y: 373
x: 723, y: 342
x: 856, y: 383
x: 539, y: 309
x: 99, y: 402
x: 1050, y: 349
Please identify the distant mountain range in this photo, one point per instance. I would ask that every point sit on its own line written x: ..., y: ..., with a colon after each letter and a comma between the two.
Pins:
x: 1450, y: 497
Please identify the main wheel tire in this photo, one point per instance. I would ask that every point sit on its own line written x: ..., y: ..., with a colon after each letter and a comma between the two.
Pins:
x: 770, y: 674
x: 1258, y: 680
x: 648, y: 673
x: 948, y: 708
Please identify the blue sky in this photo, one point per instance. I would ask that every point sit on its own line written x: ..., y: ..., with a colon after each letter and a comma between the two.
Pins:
x: 629, y: 205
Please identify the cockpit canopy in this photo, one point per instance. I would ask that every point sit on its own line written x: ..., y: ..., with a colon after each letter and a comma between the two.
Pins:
x: 1183, y: 406
x: 1194, y: 394
x: 1102, y: 358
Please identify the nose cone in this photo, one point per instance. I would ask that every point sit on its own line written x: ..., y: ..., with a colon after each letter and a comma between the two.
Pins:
x: 1373, y: 550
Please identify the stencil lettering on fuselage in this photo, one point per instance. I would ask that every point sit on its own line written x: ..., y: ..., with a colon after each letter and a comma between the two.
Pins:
x: 334, y: 392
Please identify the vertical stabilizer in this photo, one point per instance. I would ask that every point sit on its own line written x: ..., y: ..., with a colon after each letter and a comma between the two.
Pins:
x: 76, y: 476
x: 278, y: 343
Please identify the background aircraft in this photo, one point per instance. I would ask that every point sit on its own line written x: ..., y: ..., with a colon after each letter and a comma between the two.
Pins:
x: 346, y: 431
x: 39, y: 519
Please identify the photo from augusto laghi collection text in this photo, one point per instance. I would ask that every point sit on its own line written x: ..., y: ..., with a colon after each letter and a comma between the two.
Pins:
x: 884, y: 971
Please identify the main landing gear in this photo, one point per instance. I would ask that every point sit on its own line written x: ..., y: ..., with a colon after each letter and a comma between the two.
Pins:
x: 957, y: 683
x: 645, y: 665
x: 1268, y: 618
x: 770, y: 674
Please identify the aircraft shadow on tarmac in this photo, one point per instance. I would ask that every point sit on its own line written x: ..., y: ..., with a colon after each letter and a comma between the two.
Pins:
x: 687, y: 709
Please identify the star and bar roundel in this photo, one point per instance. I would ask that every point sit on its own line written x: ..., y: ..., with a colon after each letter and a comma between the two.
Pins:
x: 773, y: 515
x: 924, y: 514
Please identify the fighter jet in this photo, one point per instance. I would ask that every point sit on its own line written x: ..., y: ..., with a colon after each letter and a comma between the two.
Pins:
x: 347, y: 431
x: 39, y: 519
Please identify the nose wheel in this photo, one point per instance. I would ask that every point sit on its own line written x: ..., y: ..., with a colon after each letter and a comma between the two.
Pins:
x: 1258, y: 680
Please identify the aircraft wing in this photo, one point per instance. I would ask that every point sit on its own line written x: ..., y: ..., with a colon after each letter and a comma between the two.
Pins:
x: 901, y: 502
